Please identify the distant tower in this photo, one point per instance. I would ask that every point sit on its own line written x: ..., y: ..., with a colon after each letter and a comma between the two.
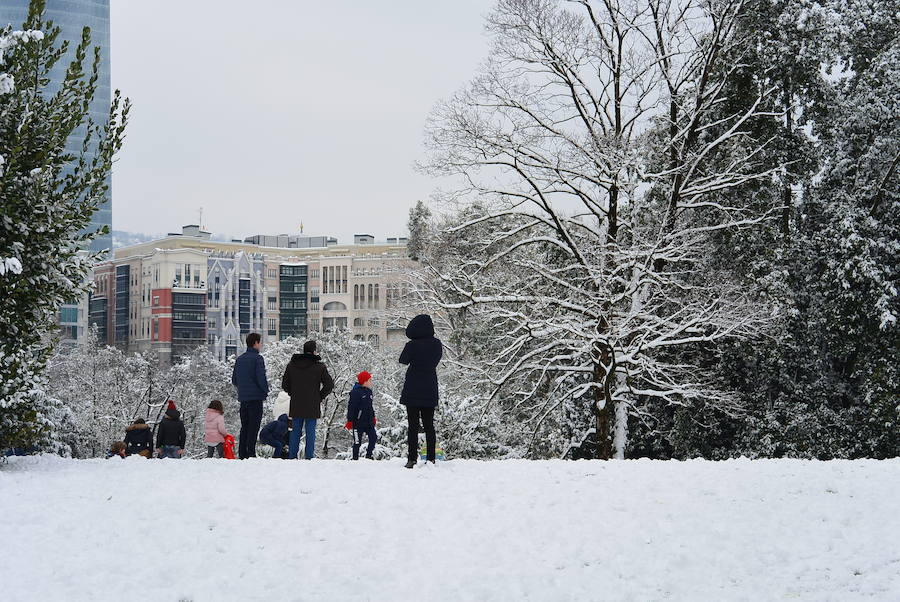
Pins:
x: 71, y: 16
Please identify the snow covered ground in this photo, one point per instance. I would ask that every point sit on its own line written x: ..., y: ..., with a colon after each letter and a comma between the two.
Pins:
x: 276, y: 530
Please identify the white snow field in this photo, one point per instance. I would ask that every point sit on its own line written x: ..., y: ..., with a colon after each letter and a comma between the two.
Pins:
x: 278, y: 530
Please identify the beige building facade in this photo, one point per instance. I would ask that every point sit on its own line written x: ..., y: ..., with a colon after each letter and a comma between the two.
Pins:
x: 184, y: 291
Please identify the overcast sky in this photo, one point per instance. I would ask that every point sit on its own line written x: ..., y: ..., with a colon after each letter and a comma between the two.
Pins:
x: 267, y: 113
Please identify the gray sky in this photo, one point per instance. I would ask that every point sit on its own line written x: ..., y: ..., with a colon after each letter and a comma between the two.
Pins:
x: 269, y: 112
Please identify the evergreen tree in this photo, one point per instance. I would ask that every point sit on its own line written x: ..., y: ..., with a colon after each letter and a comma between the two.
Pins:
x: 48, y: 196
x: 418, y: 230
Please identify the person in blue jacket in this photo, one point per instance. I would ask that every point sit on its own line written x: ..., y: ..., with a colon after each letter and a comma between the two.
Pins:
x: 421, y: 355
x: 361, y: 414
x: 249, y: 377
x: 275, y: 434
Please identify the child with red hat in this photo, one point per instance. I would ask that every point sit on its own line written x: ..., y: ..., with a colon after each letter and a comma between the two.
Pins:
x: 361, y: 414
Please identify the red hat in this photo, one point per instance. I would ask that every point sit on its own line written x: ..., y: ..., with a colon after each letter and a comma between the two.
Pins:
x: 362, y: 377
x: 171, y: 405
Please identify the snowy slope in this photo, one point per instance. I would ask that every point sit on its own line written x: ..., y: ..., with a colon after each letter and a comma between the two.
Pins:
x: 223, y: 530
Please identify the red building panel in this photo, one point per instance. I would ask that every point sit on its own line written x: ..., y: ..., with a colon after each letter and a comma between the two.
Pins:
x: 161, y: 308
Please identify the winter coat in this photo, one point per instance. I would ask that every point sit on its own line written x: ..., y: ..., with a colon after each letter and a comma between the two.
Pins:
x: 422, y: 354
x: 359, y: 409
x: 249, y: 376
x: 281, y: 406
x: 307, y: 381
x: 275, y: 432
x: 214, y: 427
x: 170, y: 430
x: 138, y: 438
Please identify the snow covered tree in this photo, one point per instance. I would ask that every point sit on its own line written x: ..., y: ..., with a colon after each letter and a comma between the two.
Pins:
x: 822, y: 383
x: 594, y: 156
x: 47, y: 196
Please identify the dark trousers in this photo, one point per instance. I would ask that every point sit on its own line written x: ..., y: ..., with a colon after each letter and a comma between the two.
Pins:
x: 218, y: 448
x: 412, y: 417
x: 357, y: 441
x: 251, y: 418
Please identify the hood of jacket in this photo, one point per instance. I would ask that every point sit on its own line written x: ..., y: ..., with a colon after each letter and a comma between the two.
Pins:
x: 420, y: 327
x: 283, y: 418
x: 305, y: 358
x: 173, y: 414
x: 137, y: 427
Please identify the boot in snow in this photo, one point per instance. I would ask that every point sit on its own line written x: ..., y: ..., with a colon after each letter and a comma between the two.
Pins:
x: 411, y: 464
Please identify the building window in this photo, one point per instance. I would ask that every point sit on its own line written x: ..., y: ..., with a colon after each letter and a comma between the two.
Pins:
x: 155, y: 300
x: 335, y: 306
x: 373, y: 340
x: 68, y: 314
x: 376, y: 295
x: 272, y: 330
x: 273, y: 273
x: 358, y: 322
x: 272, y: 303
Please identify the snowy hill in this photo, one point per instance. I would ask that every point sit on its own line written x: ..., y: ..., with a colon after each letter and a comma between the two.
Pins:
x: 461, y: 530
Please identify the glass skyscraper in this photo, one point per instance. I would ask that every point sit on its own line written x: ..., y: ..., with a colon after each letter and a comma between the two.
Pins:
x: 71, y: 16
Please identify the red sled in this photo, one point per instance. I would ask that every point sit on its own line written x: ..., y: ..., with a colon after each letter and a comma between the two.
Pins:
x: 229, y: 447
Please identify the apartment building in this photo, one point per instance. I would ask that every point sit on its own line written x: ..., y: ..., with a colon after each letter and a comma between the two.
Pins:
x: 184, y: 291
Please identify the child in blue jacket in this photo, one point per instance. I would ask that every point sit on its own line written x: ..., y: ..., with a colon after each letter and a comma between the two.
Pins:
x: 276, y: 434
x: 361, y: 414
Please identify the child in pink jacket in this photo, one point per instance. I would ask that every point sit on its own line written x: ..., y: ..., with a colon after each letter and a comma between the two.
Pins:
x: 214, y: 426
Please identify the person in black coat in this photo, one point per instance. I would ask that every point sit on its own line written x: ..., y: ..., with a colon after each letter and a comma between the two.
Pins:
x: 139, y: 439
x: 307, y: 381
x: 170, y: 435
x: 422, y: 354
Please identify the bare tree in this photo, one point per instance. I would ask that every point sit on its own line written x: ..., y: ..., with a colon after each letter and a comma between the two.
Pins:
x: 594, y: 149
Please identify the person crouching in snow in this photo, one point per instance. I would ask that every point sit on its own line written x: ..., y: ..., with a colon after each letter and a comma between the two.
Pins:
x: 170, y: 435
x: 361, y: 414
x: 276, y: 434
x: 214, y: 429
x: 139, y: 439
x: 116, y: 449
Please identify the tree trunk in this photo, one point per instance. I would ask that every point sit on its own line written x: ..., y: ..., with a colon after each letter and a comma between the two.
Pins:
x: 786, y: 196
x: 604, y: 373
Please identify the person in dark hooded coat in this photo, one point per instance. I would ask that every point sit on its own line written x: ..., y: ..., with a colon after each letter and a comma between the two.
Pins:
x: 307, y: 381
x: 170, y: 435
x: 139, y: 439
x: 422, y: 354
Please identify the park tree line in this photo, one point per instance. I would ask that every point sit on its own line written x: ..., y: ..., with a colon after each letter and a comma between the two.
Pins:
x: 672, y: 228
